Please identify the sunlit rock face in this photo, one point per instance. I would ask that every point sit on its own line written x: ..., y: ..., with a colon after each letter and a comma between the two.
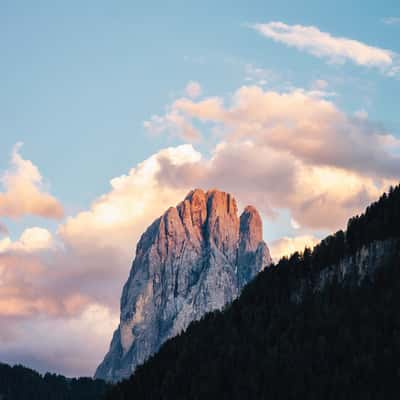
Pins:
x: 193, y: 259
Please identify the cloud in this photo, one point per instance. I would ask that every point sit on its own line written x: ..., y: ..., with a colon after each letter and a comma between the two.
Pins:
x: 91, y: 250
x: 119, y: 217
x: 323, y: 45
x: 174, y: 124
x: 32, y: 239
x: 31, y: 277
x: 391, y: 20
x: 320, y: 84
x: 70, y: 346
x: 24, y: 193
x: 311, y: 129
x: 318, y: 197
x: 294, y: 151
x: 51, y: 285
x: 3, y: 229
x: 319, y: 89
x: 193, y: 89
x: 294, y: 224
x: 259, y: 76
x: 288, y: 245
x: 361, y: 114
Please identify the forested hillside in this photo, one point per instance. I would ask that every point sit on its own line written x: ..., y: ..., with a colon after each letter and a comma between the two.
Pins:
x: 341, y: 342
x: 20, y: 383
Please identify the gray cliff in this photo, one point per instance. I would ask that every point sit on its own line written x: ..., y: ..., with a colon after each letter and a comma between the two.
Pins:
x: 193, y: 259
x: 351, y: 269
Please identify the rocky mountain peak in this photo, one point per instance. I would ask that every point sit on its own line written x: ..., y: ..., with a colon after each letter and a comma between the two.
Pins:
x: 250, y: 229
x: 193, y: 259
x: 195, y: 206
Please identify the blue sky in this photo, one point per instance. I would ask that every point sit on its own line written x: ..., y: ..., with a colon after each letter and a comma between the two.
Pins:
x: 78, y: 81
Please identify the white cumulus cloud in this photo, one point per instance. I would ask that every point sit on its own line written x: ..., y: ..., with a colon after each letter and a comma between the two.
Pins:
x: 24, y: 193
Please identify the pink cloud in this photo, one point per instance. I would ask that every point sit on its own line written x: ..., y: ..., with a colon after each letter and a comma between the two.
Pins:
x: 70, y: 346
x: 3, y: 229
x: 288, y: 245
x: 24, y: 193
x: 57, y: 281
x: 193, y: 89
x: 290, y: 151
x: 61, y: 274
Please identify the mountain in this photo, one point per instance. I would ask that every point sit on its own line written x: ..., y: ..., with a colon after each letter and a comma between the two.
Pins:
x: 21, y: 383
x: 321, y: 324
x: 194, y: 259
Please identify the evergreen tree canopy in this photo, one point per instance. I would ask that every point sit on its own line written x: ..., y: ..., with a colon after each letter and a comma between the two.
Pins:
x: 21, y: 383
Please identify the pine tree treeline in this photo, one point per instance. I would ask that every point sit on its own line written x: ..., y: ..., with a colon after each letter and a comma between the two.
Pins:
x: 20, y: 383
x: 380, y: 221
x: 340, y: 343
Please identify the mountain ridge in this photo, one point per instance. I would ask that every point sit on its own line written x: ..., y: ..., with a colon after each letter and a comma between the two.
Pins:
x: 325, y: 321
x: 19, y: 383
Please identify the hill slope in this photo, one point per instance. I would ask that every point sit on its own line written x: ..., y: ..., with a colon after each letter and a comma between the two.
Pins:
x: 20, y: 383
x: 321, y: 324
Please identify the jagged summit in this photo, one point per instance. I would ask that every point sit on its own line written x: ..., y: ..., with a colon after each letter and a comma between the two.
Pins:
x: 193, y: 259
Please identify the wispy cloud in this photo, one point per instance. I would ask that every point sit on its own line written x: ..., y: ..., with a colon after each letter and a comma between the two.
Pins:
x: 193, y: 89
x: 314, y: 157
x: 258, y: 75
x: 326, y: 46
x: 391, y: 20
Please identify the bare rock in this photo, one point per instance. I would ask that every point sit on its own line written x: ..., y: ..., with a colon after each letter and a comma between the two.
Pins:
x: 193, y: 259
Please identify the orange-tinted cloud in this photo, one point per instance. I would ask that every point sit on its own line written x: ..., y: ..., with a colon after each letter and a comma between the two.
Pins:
x: 288, y: 245
x: 71, y: 345
x: 50, y: 285
x: 88, y: 259
x: 32, y: 239
x: 310, y: 128
x: 294, y: 151
x: 117, y: 218
x: 24, y: 193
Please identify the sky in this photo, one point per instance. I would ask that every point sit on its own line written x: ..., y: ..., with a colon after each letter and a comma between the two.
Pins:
x: 110, y: 112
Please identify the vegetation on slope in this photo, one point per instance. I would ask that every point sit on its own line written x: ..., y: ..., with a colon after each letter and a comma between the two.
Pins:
x: 20, y: 383
x: 339, y: 343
